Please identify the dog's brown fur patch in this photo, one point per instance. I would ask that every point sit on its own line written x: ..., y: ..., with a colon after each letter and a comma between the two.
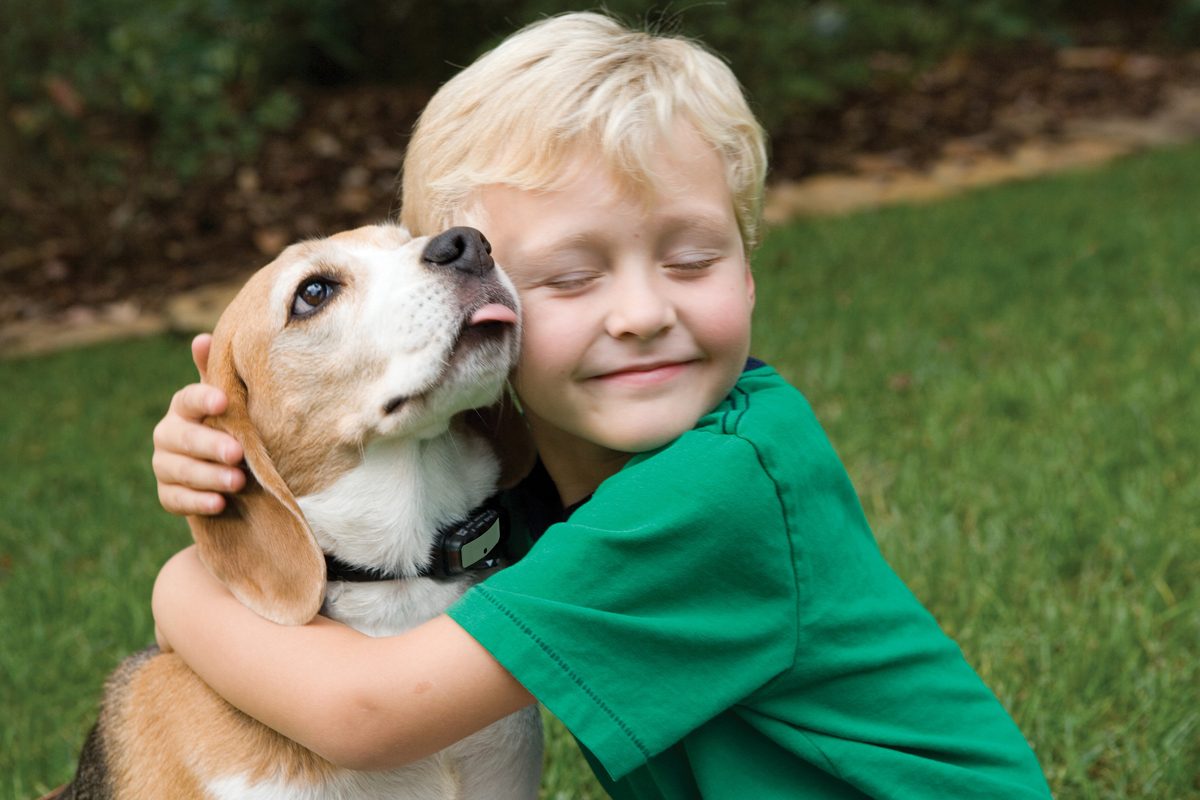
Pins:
x: 165, y: 725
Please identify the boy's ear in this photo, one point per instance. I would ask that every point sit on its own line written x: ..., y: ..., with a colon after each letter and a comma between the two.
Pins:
x: 260, y: 547
x: 504, y: 426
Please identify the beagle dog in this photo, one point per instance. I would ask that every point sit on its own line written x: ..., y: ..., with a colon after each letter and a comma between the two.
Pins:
x: 353, y: 366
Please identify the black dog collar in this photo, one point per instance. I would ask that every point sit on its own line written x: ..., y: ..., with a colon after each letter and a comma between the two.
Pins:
x: 471, y: 545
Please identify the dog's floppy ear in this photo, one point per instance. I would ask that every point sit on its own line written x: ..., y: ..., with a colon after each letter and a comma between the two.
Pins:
x: 503, y: 425
x: 260, y: 547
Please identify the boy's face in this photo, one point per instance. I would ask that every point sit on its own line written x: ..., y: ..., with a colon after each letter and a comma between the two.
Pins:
x: 636, y: 311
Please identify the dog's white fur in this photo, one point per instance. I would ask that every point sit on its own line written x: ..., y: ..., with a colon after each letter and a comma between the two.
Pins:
x: 335, y: 468
x: 356, y: 517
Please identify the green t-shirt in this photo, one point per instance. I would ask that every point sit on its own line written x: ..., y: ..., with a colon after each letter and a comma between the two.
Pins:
x: 717, y: 621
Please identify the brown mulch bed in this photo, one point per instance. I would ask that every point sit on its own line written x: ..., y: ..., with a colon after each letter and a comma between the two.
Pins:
x: 338, y: 169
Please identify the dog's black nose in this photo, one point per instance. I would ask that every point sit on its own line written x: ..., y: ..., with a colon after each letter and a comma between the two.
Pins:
x: 464, y: 249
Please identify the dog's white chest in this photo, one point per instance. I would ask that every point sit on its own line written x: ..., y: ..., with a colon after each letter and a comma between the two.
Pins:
x: 422, y: 780
x: 388, y: 608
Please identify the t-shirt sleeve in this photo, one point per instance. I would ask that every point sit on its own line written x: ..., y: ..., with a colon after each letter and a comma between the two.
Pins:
x: 667, y: 598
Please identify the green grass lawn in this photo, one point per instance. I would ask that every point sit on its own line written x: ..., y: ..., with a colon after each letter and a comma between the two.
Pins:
x: 1010, y: 377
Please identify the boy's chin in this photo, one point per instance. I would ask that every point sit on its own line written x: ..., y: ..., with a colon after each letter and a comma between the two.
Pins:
x: 642, y: 438
x: 641, y: 428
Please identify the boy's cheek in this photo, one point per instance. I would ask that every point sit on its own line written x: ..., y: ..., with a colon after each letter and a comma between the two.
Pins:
x: 546, y: 336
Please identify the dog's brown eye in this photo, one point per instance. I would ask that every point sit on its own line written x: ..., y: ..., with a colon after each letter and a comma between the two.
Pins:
x: 311, y: 294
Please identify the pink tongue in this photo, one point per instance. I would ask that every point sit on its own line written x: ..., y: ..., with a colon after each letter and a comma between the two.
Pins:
x: 493, y: 312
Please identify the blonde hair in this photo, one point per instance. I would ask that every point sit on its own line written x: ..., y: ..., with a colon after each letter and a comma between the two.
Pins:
x: 521, y: 112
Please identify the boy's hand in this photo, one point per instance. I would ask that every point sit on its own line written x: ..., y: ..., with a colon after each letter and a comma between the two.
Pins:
x: 193, y: 463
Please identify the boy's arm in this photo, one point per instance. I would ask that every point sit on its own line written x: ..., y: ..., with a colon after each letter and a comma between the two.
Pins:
x: 360, y: 702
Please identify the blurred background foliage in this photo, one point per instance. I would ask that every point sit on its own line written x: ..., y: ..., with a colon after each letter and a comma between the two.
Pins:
x: 197, y: 84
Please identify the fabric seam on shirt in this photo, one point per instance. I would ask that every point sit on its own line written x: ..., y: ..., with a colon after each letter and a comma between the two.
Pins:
x: 733, y: 396
x: 567, y: 670
x: 787, y: 524
x: 833, y: 768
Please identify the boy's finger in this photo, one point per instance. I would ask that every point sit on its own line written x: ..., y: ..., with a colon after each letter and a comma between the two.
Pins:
x: 171, y: 469
x: 182, y: 501
x: 201, y: 346
x: 196, y: 401
x: 177, y: 436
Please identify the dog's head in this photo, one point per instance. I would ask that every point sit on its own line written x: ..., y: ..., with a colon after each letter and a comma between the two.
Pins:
x: 340, y: 341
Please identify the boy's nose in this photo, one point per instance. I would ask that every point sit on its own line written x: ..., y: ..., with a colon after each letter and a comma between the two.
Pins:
x: 640, y: 310
x: 463, y: 249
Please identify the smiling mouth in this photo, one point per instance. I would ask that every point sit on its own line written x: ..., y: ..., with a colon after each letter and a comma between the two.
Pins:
x: 645, y: 373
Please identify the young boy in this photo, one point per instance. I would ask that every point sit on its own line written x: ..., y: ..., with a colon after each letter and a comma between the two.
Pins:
x: 708, y: 613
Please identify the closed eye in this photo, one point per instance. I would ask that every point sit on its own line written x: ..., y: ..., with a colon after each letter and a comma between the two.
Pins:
x: 695, y: 265
x: 312, y: 294
x: 571, y: 281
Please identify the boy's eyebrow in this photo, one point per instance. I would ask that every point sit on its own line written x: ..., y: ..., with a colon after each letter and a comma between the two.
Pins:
x: 540, y: 254
x: 701, y: 223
